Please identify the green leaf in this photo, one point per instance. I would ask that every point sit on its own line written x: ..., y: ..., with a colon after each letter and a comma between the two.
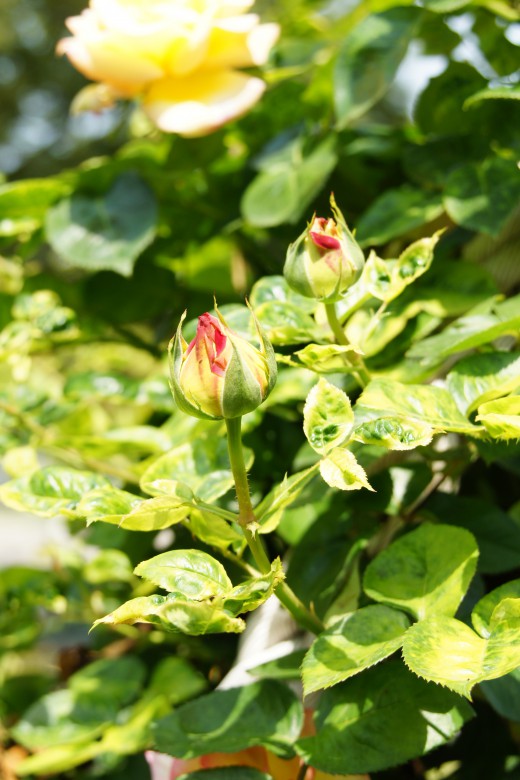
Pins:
x: 353, y: 644
x: 176, y: 679
x: 108, y: 504
x: 92, y: 700
x: 275, y: 288
x: 476, y: 379
x: 174, y: 614
x: 394, y: 434
x: 493, y: 93
x: 108, y: 233
x: 23, y: 204
x: 445, y: 6
x: 427, y: 571
x: 287, y: 323
x: 101, y: 384
x: 356, y: 734
x: 482, y: 196
x: 51, y: 491
x: 427, y: 404
x: 396, y: 213
x: 155, y: 514
x: 192, y: 574
x: 387, y: 279
x: 118, y: 507
x: 265, y: 713
x: 481, y: 325
x: 501, y: 417
x: 206, y: 266
x: 483, y: 610
x: 270, y: 510
x: 412, y: 263
x: 341, y: 470
x: 324, y: 358
x: 447, y: 651
x: 252, y: 592
x: 328, y: 419
x: 212, y: 530
x: 108, y: 566
x: 58, y: 759
x: 287, y: 667
x: 282, y: 192
x: 497, y: 534
x: 438, y: 113
x: 133, y: 733
x: 368, y: 61
x: 201, y: 464
x: 504, y: 694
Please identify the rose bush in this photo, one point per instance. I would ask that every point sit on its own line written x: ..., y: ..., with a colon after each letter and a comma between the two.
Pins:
x: 180, y: 57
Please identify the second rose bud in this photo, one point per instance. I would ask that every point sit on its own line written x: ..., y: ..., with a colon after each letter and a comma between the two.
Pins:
x: 325, y: 260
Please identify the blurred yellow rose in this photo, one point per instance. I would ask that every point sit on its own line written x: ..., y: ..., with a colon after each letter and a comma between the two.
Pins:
x: 179, y: 56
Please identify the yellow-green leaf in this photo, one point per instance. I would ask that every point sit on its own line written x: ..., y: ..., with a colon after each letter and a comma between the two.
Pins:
x: 426, y: 572
x: 447, y: 651
x: 354, y: 643
x: 340, y: 469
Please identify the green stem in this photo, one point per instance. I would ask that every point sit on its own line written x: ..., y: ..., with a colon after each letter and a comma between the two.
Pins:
x: 247, y: 521
x: 358, y: 366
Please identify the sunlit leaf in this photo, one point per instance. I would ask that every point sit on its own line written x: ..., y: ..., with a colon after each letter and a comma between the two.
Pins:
x: 394, y: 433
x: 355, y: 734
x: 340, y: 469
x: 327, y: 417
x: 426, y: 404
x: 447, y: 651
x: 426, y: 572
x: 501, y: 417
x: 265, y: 713
x: 174, y: 614
x: 270, y: 510
x: 353, y: 644
x: 191, y: 573
x: 51, y: 491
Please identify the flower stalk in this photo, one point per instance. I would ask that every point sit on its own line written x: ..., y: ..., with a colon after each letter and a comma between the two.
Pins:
x: 247, y: 521
x: 358, y: 364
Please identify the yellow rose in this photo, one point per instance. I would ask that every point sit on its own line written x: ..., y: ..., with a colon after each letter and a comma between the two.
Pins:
x: 179, y: 56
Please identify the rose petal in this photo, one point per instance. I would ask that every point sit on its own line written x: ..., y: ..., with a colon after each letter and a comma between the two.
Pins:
x: 103, y: 60
x: 240, y: 42
x: 200, y: 103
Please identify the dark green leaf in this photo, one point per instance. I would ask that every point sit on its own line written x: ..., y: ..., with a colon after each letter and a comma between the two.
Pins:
x: 368, y: 61
x: 107, y: 233
x: 356, y: 734
x: 282, y: 192
x: 266, y: 713
x: 355, y: 643
x: 483, y: 196
x: 397, y: 212
x: 425, y: 572
x: 497, y: 534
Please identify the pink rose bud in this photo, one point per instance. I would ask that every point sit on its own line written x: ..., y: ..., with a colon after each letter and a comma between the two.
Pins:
x: 220, y: 374
x: 325, y: 260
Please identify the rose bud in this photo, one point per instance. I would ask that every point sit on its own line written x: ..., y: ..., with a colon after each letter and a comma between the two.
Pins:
x: 220, y: 374
x: 325, y: 260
